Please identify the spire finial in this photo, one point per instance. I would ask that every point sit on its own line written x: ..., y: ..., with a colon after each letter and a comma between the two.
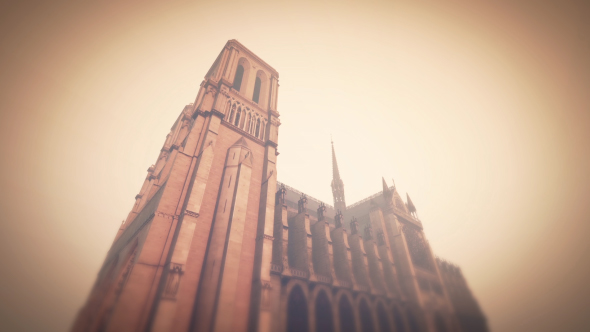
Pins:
x: 337, y: 184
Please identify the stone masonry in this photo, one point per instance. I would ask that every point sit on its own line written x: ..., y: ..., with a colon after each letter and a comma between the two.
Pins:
x: 215, y: 243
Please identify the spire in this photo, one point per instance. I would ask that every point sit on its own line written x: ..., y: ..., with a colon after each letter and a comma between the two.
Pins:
x: 335, y: 172
x: 337, y: 184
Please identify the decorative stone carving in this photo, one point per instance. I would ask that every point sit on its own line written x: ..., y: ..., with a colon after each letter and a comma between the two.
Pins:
x: 354, y: 226
x: 338, y: 219
x: 191, y: 213
x: 380, y: 237
x: 173, y: 281
x: 280, y: 195
x: 321, y: 210
x: 302, y: 204
x: 368, y: 232
x: 165, y: 215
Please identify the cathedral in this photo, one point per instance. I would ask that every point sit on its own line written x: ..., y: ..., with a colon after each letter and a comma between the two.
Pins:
x: 215, y: 243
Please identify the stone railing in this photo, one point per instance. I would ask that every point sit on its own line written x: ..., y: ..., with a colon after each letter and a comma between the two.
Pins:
x: 298, y: 273
x: 344, y: 283
x: 300, y: 193
x: 324, y: 279
x: 277, y: 268
x: 368, y: 198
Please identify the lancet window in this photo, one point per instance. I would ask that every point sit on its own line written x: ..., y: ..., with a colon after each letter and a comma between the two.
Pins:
x: 245, y: 119
x: 238, y: 117
x: 238, y: 77
x: 256, y: 95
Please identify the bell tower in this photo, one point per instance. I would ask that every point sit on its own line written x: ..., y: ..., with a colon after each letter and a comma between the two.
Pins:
x: 337, y: 185
x: 194, y: 252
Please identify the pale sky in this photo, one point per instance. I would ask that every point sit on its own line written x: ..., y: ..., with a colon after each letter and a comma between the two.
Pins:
x: 480, y: 111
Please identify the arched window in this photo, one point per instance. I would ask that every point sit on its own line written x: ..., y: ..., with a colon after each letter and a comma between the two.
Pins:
x: 257, y: 127
x: 412, y: 322
x: 232, y: 113
x: 238, y: 77
x: 242, y: 122
x: 297, y: 311
x: 383, y: 320
x: 262, y: 130
x: 366, y: 317
x: 238, y: 117
x: 346, y: 315
x: 440, y: 323
x: 398, y: 320
x: 323, y: 313
x: 247, y: 128
x: 256, y: 95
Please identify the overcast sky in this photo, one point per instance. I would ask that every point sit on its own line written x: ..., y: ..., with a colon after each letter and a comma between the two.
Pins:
x: 480, y: 111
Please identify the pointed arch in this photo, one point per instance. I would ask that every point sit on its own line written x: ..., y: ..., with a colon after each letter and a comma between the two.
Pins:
x: 241, y: 77
x: 412, y: 321
x: 238, y: 114
x: 232, y: 113
x: 256, y: 95
x: 262, y: 130
x: 260, y: 94
x: 257, y: 127
x: 346, y: 315
x: 366, y: 316
x: 398, y: 320
x: 324, y: 320
x: 297, y: 317
x: 241, y: 126
x: 227, y: 110
x: 383, y: 318
x: 247, y: 126
x: 440, y: 323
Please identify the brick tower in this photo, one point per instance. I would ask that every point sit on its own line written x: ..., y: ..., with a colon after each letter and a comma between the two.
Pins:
x: 193, y: 251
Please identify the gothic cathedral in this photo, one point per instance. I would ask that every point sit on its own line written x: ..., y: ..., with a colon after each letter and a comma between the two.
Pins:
x: 215, y: 243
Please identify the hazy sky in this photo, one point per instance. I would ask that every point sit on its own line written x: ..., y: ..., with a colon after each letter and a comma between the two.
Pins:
x: 481, y: 111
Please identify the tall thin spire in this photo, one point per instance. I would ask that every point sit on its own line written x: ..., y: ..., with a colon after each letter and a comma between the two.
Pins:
x: 335, y: 172
x: 337, y: 184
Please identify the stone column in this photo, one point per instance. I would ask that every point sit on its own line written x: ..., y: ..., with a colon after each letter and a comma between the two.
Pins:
x: 342, y: 264
x: 216, y: 293
x: 265, y: 293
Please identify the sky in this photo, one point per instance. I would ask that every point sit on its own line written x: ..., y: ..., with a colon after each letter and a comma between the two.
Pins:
x: 479, y: 110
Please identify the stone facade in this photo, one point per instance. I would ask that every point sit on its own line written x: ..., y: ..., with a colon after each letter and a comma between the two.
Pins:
x: 215, y: 243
